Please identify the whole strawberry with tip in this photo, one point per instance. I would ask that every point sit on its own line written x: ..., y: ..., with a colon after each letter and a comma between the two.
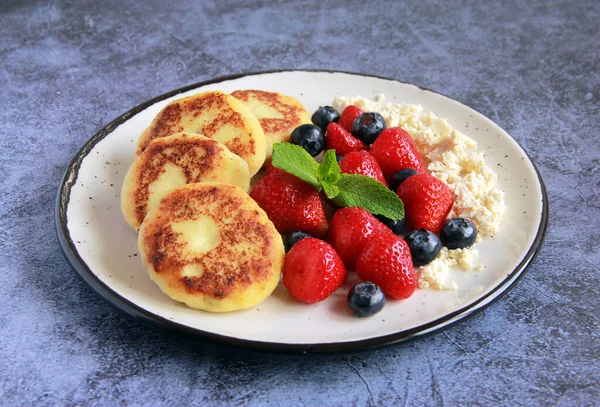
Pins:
x: 427, y: 201
x: 290, y: 203
x: 386, y: 261
x: 312, y: 270
x: 351, y: 228
x: 361, y: 162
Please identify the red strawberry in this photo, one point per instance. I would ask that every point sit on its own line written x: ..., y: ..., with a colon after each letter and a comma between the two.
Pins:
x: 361, y: 162
x: 312, y: 270
x: 350, y: 230
x: 290, y: 203
x: 338, y: 139
x: 427, y: 201
x: 395, y: 150
x: 269, y: 167
x: 348, y: 116
x: 385, y: 260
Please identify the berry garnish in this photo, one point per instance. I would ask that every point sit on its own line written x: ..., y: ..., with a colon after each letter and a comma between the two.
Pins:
x: 424, y: 246
x: 361, y: 162
x: 339, y: 158
x: 350, y: 230
x: 396, y: 226
x: 269, y: 168
x: 458, y: 233
x: 427, y: 201
x: 366, y: 299
x: 290, y: 203
x: 348, y: 116
x: 399, y: 177
x: 312, y: 270
x: 395, y: 150
x: 368, y: 126
x: 338, y: 139
x: 325, y: 115
x: 345, y: 190
x: 310, y: 138
x: 385, y: 260
x: 294, y: 237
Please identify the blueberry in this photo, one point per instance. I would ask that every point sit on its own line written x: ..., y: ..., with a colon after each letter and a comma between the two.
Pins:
x: 366, y: 299
x: 310, y: 138
x: 339, y: 158
x: 400, y: 176
x: 368, y: 126
x: 424, y: 246
x: 294, y: 237
x: 396, y: 226
x: 325, y: 115
x: 458, y: 233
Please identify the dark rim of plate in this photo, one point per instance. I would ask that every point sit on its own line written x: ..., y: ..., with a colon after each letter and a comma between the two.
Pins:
x: 133, y: 310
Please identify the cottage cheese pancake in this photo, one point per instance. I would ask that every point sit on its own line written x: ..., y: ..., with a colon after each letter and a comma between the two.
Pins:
x: 277, y: 114
x: 216, y: 115
x: 176, y: 160
x: 210, y: 246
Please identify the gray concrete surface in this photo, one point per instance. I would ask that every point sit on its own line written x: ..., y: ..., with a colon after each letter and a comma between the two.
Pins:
x: 69, y: 67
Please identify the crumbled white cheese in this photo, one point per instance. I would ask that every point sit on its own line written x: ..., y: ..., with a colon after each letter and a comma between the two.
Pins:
x: 435, y: 274
x: 453, y: 158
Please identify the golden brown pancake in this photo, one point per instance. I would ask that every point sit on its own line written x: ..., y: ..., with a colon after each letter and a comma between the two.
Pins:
x: 177, y: 160
x: 277, y: 114
x: 211, y: 246
x: 216, y: 115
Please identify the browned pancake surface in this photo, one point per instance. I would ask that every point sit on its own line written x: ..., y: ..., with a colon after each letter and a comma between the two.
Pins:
x: 169, y: 120
x: 179, y: 150
x: 243, y: 257
x: 291, y: 111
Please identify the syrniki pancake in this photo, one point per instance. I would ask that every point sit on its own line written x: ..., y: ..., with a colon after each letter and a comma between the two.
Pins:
x: 216, y: 115
x: 177, y: 160
x: 211, y: 247
x: 277, y: 114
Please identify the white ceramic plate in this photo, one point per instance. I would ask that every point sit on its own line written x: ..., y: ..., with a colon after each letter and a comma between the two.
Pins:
x: 103, y: 249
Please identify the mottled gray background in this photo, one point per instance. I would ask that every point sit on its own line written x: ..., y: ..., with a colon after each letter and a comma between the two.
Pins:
x: 69, y: 67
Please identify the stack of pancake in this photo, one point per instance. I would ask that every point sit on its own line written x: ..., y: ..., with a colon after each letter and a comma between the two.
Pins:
x: 202, y: 239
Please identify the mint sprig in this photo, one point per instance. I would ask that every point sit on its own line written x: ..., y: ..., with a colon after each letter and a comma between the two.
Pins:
x: 363, y: 191
x: 329, y: 170
x: 344, y: 189
x: 295, y: 160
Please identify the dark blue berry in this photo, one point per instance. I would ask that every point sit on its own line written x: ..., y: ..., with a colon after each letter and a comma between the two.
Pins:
x: 325, y: 115
x: 396, y: 226
x: 294, y: 237
x: 424, y: 246
x: 458, y: 233
x: 400, y: 176
x: 339, y: 158
x: 368, y: 126
x: 366, y: 299
x: 310, y: 138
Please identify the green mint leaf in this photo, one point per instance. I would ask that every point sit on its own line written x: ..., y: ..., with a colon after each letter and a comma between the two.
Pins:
x: 363, y: 191
x: 295, y: 160
x: 329, y: 171
x: 331, y: 190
